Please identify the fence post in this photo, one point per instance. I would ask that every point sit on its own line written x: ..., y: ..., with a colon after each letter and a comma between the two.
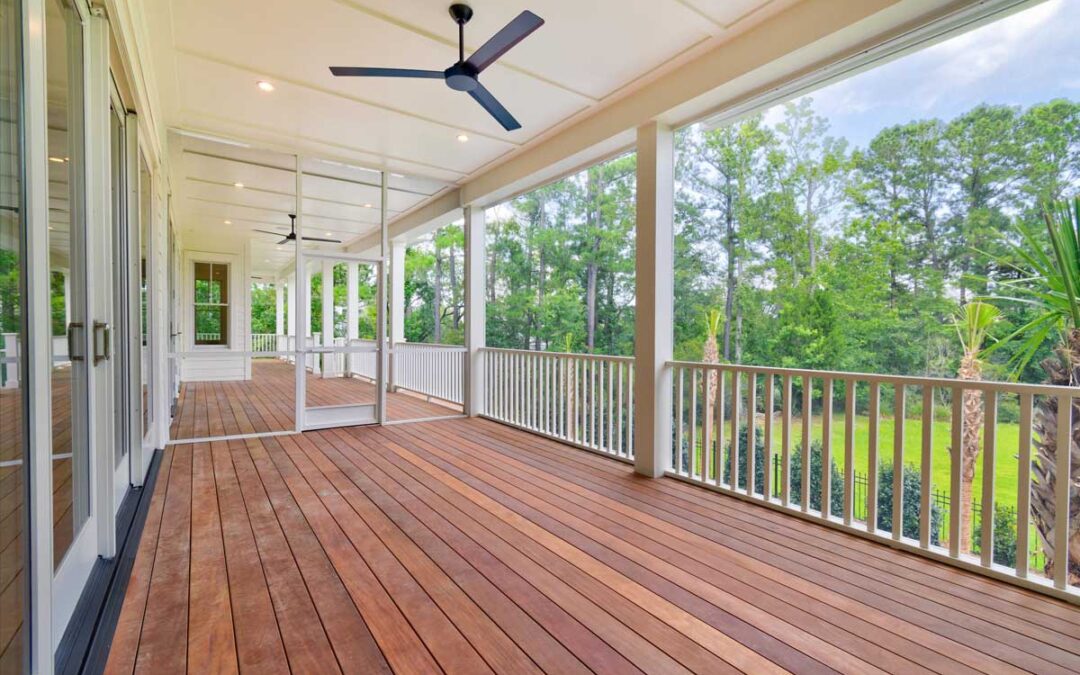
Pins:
x: 654, y: 291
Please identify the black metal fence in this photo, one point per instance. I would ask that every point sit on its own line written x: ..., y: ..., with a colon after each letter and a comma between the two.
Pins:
x: 941, y: 502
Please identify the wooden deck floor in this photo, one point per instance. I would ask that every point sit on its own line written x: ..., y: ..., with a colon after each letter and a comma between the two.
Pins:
x: 465, y: 546
x: 267, y: 402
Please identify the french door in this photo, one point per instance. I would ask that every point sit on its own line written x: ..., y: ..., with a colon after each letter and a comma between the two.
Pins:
x: 341, y: 373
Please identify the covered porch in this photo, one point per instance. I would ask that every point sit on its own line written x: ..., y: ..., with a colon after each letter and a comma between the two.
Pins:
x: 468, y: 546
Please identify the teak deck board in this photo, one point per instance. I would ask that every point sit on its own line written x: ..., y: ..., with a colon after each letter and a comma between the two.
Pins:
x: 468, y: 546
x: 267, y: 402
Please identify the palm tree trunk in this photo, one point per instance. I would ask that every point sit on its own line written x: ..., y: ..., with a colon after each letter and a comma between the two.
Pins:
x: 1062, y: 369
x: 970, y: 369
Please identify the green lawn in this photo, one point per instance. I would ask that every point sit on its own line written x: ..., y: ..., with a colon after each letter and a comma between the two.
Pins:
x: 1006, y: 468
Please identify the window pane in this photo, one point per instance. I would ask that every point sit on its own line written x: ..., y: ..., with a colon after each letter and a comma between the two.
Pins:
x: 220, y: 278
x: 211, y: 324
x: 202, y: 282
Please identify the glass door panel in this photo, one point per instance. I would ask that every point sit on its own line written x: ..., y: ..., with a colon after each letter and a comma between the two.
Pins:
x: 342, y: 358
x: 67, y: 270
x: 14, y: 507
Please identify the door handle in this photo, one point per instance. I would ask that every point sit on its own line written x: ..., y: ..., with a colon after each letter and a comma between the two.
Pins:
x: 105, y: 330
x: 72, y: 356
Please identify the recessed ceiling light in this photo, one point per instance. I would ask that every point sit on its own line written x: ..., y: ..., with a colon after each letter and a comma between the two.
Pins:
x: 263, y: 85
x: 329, y: 234
x: 58, y: 160
x: 367, y: 206
x: 280, y: 249
x: 228, y: 222
x: 239, y: 186
x: 462, y: 138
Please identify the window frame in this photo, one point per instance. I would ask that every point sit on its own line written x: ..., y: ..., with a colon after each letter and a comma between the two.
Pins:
x: 196, y: 304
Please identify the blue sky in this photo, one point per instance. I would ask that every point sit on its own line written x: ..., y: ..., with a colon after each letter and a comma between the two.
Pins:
x: 1028, y: 57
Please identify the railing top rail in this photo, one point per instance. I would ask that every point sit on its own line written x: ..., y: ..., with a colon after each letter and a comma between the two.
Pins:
x: 429, y: 344
x: 905, y: 380
x: 562, y: 355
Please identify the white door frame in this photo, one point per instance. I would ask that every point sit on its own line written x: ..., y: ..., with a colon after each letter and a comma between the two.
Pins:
x: 307, y: 421
x: 39, y: 335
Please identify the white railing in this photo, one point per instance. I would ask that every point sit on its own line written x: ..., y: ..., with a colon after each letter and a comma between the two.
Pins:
x: 752, y: 423
x: 436, y: 371
x: 268, y: 342
x: 583, y: 399
x: 9, y: 360
x: 207, y: 337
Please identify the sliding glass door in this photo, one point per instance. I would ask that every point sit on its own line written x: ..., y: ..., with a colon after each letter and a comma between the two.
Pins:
x: 14, y: 455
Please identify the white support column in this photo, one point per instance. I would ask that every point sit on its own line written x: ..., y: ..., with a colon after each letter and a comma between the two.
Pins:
x: 397, y: 305
x: 397, y: 291
x: 330, y: 365
x: 352, y: 312
x: 311, y: 360
x: 299, y: 311
x: 279, y: 306
x: 654, y: 285
x: 475, y: 309
x: 380, y: 298
x: 291, y: 304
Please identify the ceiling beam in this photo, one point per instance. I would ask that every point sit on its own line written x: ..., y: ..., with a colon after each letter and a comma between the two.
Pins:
x: 439, y: 211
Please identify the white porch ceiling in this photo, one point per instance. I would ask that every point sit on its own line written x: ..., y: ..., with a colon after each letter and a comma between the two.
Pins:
x: 208, y: 56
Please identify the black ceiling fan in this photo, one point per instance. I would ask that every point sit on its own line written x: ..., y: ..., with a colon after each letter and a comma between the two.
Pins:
x: 291, y: 236
x: 464, y: 75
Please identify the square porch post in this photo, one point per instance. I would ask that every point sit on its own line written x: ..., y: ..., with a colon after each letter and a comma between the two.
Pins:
x: 397, y: 304
x: 352, y: 312
x: 475, y: 310
x: 279, y: 309
x: 654, y: 282
x: 329, y: 360
x: 290, y: 317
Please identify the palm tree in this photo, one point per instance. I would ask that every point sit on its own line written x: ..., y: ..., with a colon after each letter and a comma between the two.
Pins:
x: 710, y: 354
x: 973, y: 322
x: 1050, y: 283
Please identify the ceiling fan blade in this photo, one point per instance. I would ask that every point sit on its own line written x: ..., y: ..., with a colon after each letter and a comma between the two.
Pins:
x: 501, y: 42
x: 267, y: 232
x: 492, y: 105
x: 286, y: 240
x: 350, y: 71
x: 332, y: 241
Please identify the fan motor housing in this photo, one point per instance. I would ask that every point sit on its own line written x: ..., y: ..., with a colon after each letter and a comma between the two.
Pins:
x: 462, y: 76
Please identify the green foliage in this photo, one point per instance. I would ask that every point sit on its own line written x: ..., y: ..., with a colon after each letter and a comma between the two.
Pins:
x: 973, y: 322
x: 912, y: 497
x: 1048, y: 283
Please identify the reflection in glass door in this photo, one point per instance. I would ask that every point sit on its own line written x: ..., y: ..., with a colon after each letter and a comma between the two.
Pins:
x: 344, y: 377
x: 14, y: 465
x: 146, y: 372
x: 67, y: 274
